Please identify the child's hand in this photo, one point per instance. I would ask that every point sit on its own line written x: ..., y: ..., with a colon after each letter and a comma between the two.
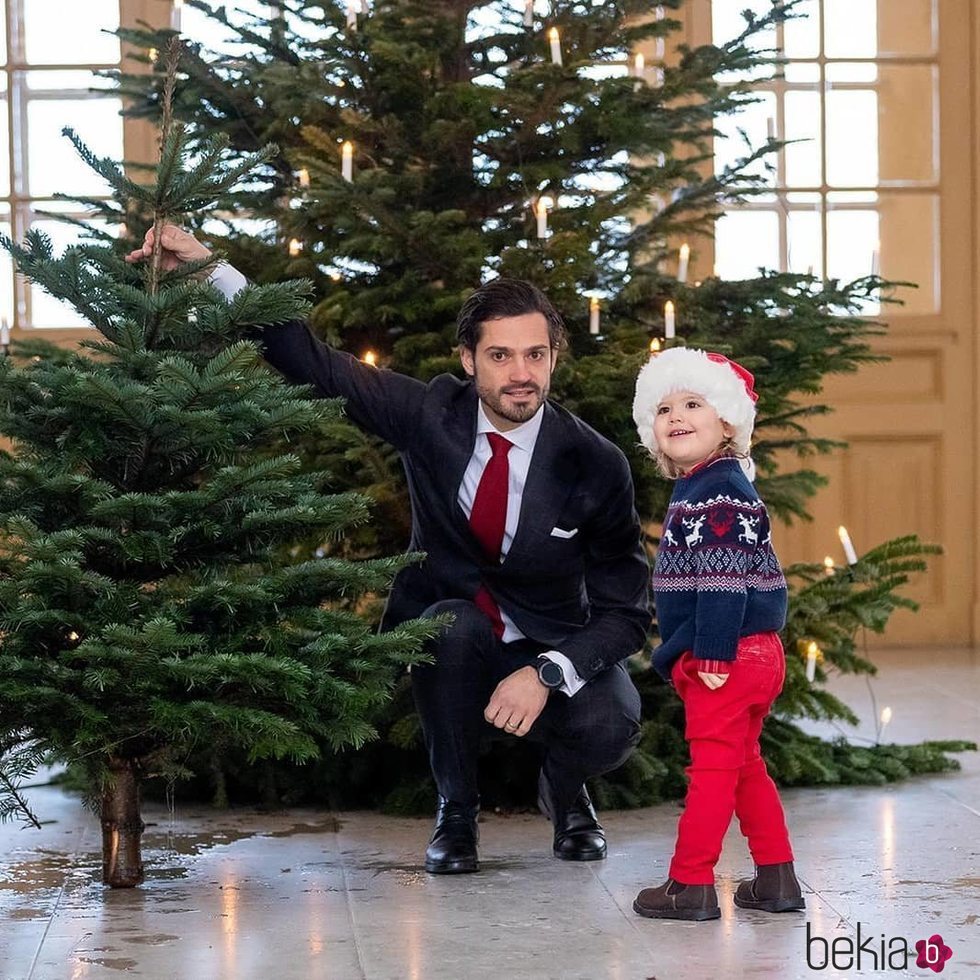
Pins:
x: 713, y: 681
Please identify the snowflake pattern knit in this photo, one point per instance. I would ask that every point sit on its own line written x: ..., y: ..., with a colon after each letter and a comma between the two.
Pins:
x: 716, y: 576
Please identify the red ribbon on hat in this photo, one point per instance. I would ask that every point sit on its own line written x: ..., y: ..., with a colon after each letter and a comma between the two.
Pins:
x: 748, y: 378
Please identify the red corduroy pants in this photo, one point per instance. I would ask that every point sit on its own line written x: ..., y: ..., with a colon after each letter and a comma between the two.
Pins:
x: 727, y: 773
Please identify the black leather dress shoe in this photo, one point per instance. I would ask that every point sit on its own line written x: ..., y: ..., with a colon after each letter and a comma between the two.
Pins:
x: 578, y: 834
x: 452, y: 847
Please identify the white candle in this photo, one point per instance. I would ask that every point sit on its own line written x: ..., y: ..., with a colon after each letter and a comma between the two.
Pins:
x: 770, y: 127
x: 304, y: 177
x: 886, y: 716
x: 845, y: 539
x: 352, y: 14
x: 660, y: 13
x: 295, y: 247
x: 594, y: 315
x: 528, y: 13
x: 669, y: 319
x: 555, y: 43
x: 542, y: 216
x: 875, y: 262
x: 682, y: 261
x: 175, y: 12
x: 4, y: 334
x: 658, y: 49
x: 347, y: 160
x: 658, y: 78
x: 811, y: 661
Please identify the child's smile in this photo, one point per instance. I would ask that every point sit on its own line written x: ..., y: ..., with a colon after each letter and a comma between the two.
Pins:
x: 688, y: 430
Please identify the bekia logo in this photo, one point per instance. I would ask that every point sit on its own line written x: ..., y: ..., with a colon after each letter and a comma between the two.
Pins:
x: 864, y: 952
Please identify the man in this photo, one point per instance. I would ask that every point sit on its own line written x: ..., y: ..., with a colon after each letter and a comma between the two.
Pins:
x: 532, y: 543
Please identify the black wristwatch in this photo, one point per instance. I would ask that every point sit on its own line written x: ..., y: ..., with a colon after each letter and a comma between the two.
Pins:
x: 549, y: 673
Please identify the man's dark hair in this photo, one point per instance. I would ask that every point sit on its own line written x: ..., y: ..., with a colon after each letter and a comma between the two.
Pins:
x: 501, y: 298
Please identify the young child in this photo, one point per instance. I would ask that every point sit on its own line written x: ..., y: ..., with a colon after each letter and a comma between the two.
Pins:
x: 720, y: 599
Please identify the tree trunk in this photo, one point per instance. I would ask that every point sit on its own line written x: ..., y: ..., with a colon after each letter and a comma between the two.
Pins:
x: 122, y: 826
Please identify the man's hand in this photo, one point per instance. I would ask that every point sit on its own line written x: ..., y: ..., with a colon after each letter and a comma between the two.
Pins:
x: 714, y: 681
x: 178, y: 246
x: 517, y: 701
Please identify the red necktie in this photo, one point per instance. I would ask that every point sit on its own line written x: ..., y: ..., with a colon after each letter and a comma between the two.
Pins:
x: 488, y: 517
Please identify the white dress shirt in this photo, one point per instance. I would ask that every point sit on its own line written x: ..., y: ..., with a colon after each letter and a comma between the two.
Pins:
x: 228, y: 281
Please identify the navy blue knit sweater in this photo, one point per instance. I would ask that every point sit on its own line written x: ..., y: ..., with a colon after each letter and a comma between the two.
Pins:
x: 716, y: 577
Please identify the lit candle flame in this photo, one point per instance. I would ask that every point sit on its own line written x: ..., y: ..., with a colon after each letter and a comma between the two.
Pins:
x: 370, y: 358
x: 295, y: 247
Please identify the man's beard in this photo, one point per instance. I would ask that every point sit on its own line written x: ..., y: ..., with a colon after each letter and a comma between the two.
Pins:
x: 511, y: 411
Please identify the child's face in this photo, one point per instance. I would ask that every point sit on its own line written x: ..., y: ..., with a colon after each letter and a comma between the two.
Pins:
x: 687, y: 429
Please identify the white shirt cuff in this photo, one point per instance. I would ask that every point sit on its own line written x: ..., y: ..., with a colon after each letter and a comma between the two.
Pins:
x: 227, y: 280
x: 573, y: 683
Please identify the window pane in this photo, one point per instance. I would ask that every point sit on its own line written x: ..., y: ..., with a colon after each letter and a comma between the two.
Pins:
x: 59, y: 33
x: 852, y: 138
x: 909, y: 27
x: 202, y: 29
x: 6, y: 279
x: 852, y: 71
x: 852, y: 243
x: 851, y: 28
x: 727, y: 23
x: 744, y: 241
x: 804, y: 242
x: 46, y: 311
x: 803, y: 123
x: 801, y: 73
x: 853, y: 248
x: 41, y: 81
x: 801, y: 35
x: 4, y: 149
x: 54, y: 164
x: 909, y: 108
x: 745, y: 131
x: 852, y: 197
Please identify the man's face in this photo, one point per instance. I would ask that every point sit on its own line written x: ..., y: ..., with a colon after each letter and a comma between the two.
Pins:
x: 511, y: 367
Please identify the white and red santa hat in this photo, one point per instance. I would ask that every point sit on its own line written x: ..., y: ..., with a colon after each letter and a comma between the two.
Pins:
x: 725, y: 385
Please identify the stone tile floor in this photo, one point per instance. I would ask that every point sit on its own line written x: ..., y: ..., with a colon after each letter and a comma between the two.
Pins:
x: 303, y: 894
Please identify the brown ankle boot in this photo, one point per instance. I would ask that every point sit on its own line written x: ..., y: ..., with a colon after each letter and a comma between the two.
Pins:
x: 672, y: 900
x: 773, y: 889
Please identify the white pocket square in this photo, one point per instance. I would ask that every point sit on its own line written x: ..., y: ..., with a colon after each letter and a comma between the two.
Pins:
x: 560, y: 532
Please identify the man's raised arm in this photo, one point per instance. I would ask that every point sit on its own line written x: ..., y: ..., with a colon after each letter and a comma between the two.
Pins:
x: 382, y: 402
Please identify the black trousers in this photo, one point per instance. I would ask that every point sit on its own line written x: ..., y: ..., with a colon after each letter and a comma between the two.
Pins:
x: 583, y: 736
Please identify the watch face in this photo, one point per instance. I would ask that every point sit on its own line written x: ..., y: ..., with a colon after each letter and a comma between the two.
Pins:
x: 550, y: 673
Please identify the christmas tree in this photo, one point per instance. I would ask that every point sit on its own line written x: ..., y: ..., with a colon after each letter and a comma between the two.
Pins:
x: 145, y: 606
x: 425, y: 146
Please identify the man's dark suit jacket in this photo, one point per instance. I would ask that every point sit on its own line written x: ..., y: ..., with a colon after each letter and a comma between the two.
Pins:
x: 583, y: 593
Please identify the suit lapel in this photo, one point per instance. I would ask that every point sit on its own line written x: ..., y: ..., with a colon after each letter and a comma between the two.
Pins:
x: 460, y: 431
x: 552, y: 476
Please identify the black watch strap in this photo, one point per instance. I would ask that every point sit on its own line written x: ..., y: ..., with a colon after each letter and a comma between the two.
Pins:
x: 549, y: 673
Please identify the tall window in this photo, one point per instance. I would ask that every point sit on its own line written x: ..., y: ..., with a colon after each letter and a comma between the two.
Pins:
x: 859, y: 192
x: 48, y: 49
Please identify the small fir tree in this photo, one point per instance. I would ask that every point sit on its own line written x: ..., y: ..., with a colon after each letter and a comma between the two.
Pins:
x: 145, y: 606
